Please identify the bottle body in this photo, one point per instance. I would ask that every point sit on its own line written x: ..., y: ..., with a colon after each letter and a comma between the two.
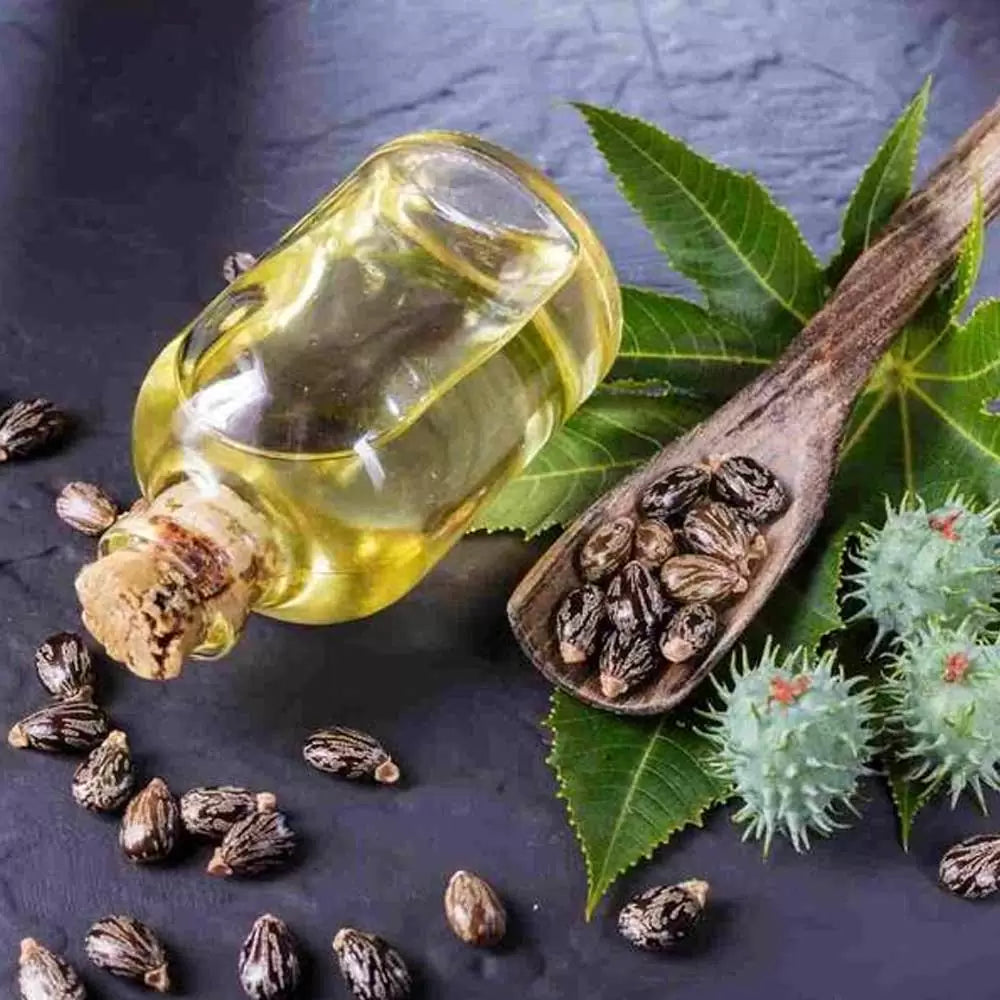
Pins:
x: 378, y: 376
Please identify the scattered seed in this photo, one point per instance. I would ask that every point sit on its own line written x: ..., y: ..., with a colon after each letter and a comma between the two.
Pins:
x: 43, y: 975
x: 745, y: 483
x: 151, y: 826
x: 579, y: 620
x: 64, y: 666
x: 663, y: 916
x: 675, y: 492
x: 474, y: 911
x: 254, y: 845
x: 689, y: 633
x: 269, y: 962
x: 28, y: 426
x: 371, y: 967
x: 105, y: 780
x: 63, y: 727
x: 211, y: 812
x: 126, y: 947
x: 86, y: 507
x: 654, y: 543
x: 627, y: 659
x: 605, y: 551
x: 634, y: 600
x: 350, y: 753
x: 701, y: 579
x: 972, y: 868
x: 236, y: 264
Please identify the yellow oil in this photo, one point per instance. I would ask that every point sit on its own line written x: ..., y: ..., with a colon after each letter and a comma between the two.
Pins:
x: 380, y: 374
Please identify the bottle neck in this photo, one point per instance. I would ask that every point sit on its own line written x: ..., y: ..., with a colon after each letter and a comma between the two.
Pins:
x: 176, y: 578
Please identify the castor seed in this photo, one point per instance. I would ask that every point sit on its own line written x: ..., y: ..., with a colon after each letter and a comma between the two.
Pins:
x: 972, y: 868
x: 627, y: 659
x: 675, y: 492
x: 714, y: 529
x: 69, y: 726
x: 606, y: 549
x: 254, y: 845
x: 634, y: 599
x: 28, y: 426
x: 664, y: 915
x: 86, y: 508
x: 43, y: 975
x: 696, y: 578
x: 212, y: 811
x: 126, y: 947
x: 654, y: 543
x: 151, y: 826
x: 689, y: 633
x: 105, y: 780
x: 474, y: 911
x: 269, y: 962
x: 743, y: 482
x: 579, y: 620
x: 371, y: 967
x: 236, y: 264
x: 350, y: 753
x: 64, y: 666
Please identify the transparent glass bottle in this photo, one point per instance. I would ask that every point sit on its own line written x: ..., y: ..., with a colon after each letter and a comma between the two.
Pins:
x: 334, y: 420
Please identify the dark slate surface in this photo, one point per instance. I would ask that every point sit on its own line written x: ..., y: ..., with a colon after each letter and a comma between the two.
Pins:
x: 141, y: 141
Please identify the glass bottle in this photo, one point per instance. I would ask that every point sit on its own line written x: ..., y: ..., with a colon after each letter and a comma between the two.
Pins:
x: 329, y: 426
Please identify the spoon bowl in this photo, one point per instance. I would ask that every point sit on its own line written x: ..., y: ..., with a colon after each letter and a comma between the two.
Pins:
x: 790, y: 419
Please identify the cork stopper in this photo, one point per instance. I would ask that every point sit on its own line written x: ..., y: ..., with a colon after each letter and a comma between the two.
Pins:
x: 177, y: 578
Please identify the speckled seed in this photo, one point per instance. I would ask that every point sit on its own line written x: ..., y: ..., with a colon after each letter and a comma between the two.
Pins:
x: 606, y: 550
x: 269, y: 962
x: 675, y: 492
x: 64, y: 666
x: 126, y: 947
x: 28, y: 426
x: 86, y: 508
x: 697, y: 578
x: 663, y: 916
x: 211, y: 812
x: 69, y: 726
x: 634, y: 600
x: 236, y: 264
x: 580, y: 619
x: 43, y: 975
x: 371, y: 967
x: 654, y: 543
x: 350, y: 753
x: 972, y: 868
x: 714, y: 529
x: 743, y: 482
x: 474, y: 911
x: 626, y: 661
x: 255, y: 845
x: 689, y: 633
x: 151, y: 826
x: 105, y: 780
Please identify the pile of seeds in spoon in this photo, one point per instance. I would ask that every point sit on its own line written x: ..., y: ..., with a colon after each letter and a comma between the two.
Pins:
x: 655, y: 584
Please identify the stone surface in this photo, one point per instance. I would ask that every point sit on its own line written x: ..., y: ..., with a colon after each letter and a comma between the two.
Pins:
x: 140, y: 143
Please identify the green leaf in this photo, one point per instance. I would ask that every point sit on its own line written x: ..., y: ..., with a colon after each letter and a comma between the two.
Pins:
x: 970, y: 260
x: 614, y: 432
x: 883, y: 186
x: 719, y: 228
x: 629, y: 784
x: 909, y: 797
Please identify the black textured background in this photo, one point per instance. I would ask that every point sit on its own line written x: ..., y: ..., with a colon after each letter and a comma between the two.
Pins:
x: 141, y: 141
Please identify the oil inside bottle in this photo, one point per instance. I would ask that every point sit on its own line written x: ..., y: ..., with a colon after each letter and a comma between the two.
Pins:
x: 380, y: 374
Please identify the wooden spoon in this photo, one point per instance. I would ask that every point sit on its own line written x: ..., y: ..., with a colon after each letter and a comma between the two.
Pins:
x: 791, y: 418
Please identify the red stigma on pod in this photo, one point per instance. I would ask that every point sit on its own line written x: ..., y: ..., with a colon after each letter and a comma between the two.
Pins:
x: 955, y: 666
x: 786, y: 692
x: 945, y: 526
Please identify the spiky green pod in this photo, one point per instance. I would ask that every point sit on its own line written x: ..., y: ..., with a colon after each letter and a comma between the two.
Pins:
x: 928, y: 566
x: 793, y: 736
x: 943, y: 693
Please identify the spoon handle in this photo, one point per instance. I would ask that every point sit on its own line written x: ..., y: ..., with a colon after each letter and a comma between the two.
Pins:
x: 831, y: 359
